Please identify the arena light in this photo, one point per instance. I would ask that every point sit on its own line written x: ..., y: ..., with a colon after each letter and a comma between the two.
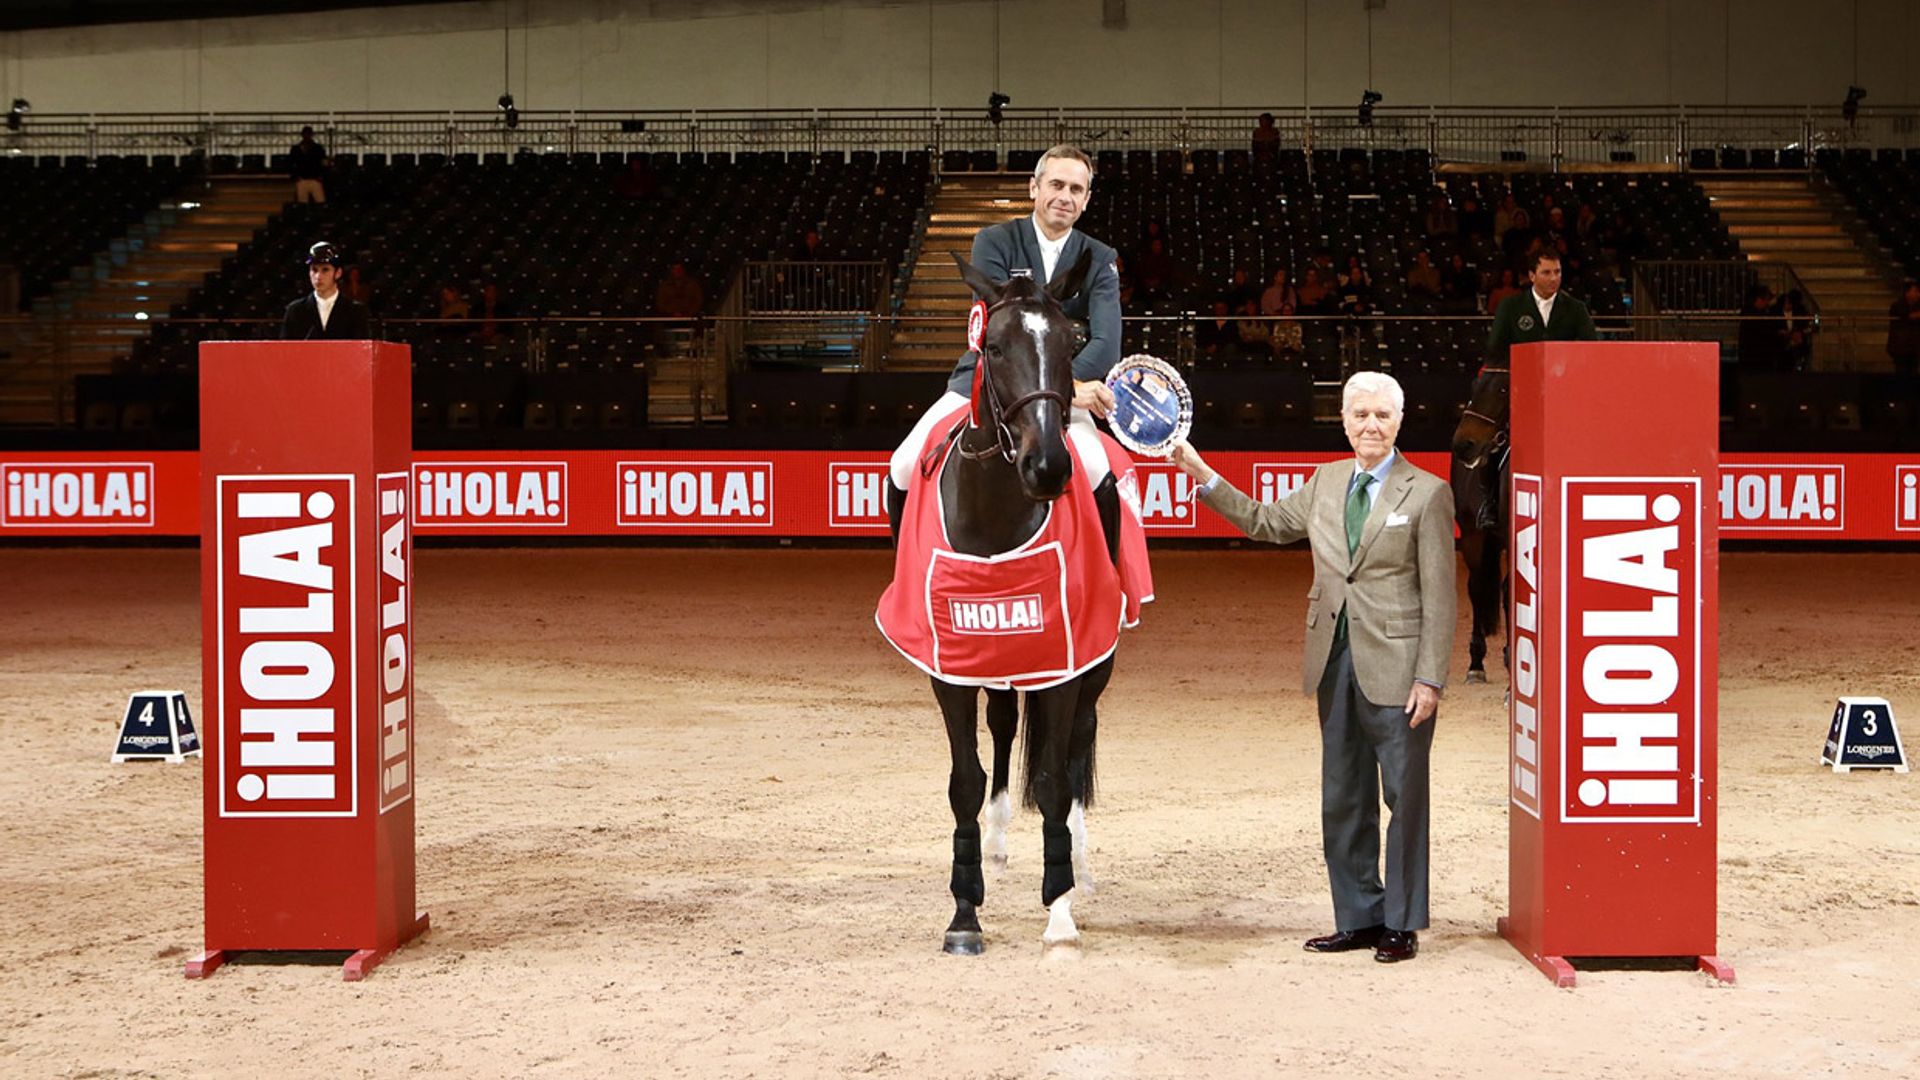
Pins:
x: 508, y: 113
x: 1368, y: 99
x: 1849, y: 109
x: 997, y: 103
x: 17, y: 114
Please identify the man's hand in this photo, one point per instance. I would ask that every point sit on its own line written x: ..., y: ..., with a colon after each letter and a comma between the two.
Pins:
x: 1092, y: 396
x: 1421, y: 704
x: 1189, y: 461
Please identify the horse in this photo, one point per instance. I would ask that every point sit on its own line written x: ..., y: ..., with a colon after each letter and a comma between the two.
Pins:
x: 1479, y: 479
x: 999, y: 471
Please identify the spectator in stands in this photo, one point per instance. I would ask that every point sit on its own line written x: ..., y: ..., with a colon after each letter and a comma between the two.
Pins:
x: 307, y: 163
x: 1585, y: 224
x: 356, y: 287
x: 1314, y: 293
x: 1280, y: 296
x: 454, y: 306
x: 679, y: 295
x: 1355, y: 287
x: 1474, y: 219
x: 1441, y: 220
x: 1288, y: 338
x: 1156, y: 265
x: 639, y: 181
x: 1499, y: 293
x: 324, y: 314
x: 1424, y: 277
x: 1796, y: 329
x: 1556, y: 228
x: 1256, y: 334
x: 1460, y: 284
x: 1217, y: 335
x: 1042, y: 243
x: 1241, y: 288
x: 492, y: 308
x: 1509, y: 217
x: 1903, y: 329
x: 811, y: 248
x: 1539, y: 313
x: 1761, y: 345
x: 1266, y: 139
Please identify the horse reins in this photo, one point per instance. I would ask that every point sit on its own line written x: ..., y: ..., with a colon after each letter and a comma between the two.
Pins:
x: 1003, y: 443
x: 1499, y: 439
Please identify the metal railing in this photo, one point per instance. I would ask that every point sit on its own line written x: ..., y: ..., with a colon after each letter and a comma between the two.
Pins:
x: 1556, y: 137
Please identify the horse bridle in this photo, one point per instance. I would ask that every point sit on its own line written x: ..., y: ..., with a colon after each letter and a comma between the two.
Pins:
x: 1498, y: 443
x: 1003, y: 442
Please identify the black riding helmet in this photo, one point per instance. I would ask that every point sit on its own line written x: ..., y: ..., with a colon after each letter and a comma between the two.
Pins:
x: 324, y: 252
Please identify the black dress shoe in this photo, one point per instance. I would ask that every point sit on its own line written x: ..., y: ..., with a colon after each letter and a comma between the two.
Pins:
x: 1397, y: 945
x: 1347, y: 940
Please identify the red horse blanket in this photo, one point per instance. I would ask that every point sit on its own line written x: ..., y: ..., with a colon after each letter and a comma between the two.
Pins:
x: 1029, y: 618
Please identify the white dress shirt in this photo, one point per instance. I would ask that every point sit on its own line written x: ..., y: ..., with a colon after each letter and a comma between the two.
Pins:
x: 1049, y: 249
x: 1545, y: 304
x: 325, y: 304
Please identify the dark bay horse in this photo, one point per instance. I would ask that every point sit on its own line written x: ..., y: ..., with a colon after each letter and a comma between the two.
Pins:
x: 1479, y: 479
x: 996, y: 482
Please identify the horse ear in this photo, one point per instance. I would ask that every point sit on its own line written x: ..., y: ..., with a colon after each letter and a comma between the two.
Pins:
x: 1064, y: 286
x: 983, y: 287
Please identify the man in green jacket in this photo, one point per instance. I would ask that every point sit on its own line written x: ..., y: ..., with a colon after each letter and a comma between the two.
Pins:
x: 1539, y: 313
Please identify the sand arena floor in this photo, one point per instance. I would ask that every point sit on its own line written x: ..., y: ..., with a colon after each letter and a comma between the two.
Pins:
x: 683, y: 813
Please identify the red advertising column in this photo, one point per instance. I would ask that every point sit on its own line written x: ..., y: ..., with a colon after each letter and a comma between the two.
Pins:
x: 307, y: 614
x: 1615, y: 571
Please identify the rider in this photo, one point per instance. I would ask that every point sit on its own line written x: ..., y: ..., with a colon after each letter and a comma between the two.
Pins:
x: 1041, y: 244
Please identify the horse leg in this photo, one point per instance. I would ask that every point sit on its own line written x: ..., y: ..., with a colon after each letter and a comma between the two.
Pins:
x: 1003, y: 720
x: 1049, y: 733
x: 1080, y: 767
x: 1472, y: 543
x: 965, y: 788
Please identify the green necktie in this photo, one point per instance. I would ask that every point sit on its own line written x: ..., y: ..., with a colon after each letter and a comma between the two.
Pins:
x: 1357, y: 507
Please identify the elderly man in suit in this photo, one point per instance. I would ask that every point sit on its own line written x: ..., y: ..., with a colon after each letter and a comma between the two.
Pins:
x: 1541, y: 313
x: 1380, y: 621
x: 1042, y: 244
x: 326, y: 314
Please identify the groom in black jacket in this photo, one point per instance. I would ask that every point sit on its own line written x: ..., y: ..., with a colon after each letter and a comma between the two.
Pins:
x: 325, y: 314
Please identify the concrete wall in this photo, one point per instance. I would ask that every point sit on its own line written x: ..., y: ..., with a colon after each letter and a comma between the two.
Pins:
x: 598, y: 54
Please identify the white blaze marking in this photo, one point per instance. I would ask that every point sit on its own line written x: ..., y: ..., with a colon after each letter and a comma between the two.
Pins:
x: 1036, y: 325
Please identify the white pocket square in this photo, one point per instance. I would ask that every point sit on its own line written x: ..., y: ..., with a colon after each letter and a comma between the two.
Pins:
x: 1396, y: 519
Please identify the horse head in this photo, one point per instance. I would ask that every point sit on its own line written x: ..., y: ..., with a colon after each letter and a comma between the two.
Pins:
x: 1024, y: 383
x: 1483, y: 426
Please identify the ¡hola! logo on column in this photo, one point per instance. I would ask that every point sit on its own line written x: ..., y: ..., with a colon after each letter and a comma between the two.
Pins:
x: 289, y: 686
x: 99, y: 495
x: 1630, y: 649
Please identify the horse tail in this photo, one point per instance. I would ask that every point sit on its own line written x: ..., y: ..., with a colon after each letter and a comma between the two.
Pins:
x: 1080, y: 762
x: 1031, y: 749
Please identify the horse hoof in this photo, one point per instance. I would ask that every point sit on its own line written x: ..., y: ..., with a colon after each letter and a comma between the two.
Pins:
x: 964, y: 943
x: 1066, y: 950
x: 1476, y: 676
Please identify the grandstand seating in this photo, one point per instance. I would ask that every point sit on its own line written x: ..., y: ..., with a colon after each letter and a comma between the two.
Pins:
x: 60, y: 211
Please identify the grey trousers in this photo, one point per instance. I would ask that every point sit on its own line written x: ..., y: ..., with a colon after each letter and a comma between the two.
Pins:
x: 1367, y: 751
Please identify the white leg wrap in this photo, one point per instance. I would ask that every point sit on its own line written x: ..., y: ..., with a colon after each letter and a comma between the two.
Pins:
x: 1060, y: 928
x: 993, y: 839
x: 1077, y: 825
